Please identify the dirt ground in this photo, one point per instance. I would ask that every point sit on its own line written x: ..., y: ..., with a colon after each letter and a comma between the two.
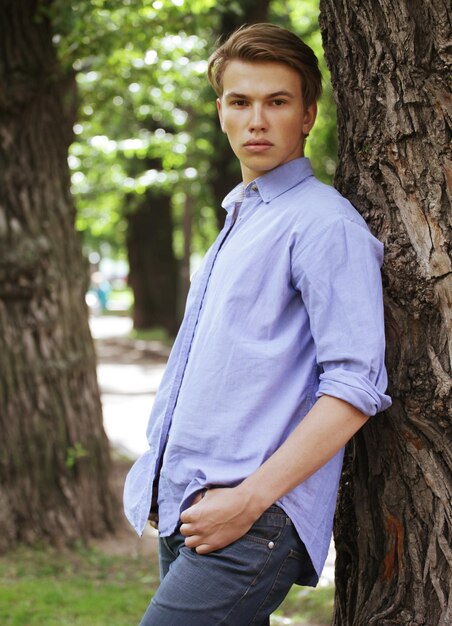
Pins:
x: 123, y: 351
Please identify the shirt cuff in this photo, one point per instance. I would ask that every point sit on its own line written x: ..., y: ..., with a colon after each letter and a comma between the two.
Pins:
x: 355, y: 389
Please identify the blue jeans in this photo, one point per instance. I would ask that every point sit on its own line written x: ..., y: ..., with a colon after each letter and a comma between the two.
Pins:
x: 239, y: 585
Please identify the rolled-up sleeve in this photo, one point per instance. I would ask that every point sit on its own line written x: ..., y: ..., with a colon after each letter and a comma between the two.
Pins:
x: 338, y: 276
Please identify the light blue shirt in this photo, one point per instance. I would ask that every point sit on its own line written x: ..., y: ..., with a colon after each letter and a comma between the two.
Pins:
x: 286, y: 307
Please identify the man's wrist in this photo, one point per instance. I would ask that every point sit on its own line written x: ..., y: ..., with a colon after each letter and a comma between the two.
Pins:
x: 257, y: 498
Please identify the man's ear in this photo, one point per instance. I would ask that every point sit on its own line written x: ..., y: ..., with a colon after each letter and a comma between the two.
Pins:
x: 220, y: 113
x: 309, y: 118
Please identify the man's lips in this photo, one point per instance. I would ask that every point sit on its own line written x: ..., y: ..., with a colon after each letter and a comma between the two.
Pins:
x: 258, y: 142
x: 257, y: 145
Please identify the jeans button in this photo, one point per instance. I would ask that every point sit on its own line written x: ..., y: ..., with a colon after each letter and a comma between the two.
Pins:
x: 270, y: 545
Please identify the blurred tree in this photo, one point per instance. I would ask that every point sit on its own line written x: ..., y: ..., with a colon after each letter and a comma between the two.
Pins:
x: 153, y: 273
x: 391, y: 76
x: 140, y: 153
x: 54, y: 465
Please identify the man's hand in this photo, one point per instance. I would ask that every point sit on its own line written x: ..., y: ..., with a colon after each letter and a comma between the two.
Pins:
x: 225, y: 515
x: 217, y: 519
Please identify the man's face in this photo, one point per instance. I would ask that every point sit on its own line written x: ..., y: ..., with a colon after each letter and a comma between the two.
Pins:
x: 262, y: 113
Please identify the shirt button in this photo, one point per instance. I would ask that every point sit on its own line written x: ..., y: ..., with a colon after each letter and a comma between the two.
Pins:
x: 270, y: 545
x: 253, y: 187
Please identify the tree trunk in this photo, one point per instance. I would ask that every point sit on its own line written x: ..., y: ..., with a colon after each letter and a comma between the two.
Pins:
x: 153, y: 266
x: 54, y: 464
x: 390, y: 75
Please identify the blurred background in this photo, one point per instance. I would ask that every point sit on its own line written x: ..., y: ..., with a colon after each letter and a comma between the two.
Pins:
x: 116, y: 91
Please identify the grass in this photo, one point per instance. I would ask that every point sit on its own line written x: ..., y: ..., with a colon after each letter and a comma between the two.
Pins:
x: 47, y: 587
x: 85, y: 587
x: 157, y: 333
x: 304, y: 605
x: 122, y: 296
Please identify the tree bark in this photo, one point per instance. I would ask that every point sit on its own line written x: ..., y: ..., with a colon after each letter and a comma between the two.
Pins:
x: 54, y: 463
x: 389, y: 67
x: 153, y: 267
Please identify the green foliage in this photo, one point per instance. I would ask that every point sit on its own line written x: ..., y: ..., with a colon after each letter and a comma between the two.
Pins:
x: 147, y: 115
x: 142, y: 123
x: 74, y: 453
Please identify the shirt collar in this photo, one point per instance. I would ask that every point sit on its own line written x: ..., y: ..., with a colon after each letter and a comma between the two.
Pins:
x: 273, y: 183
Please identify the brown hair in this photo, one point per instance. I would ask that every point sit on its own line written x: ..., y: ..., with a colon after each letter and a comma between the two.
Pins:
x: 266, y: 42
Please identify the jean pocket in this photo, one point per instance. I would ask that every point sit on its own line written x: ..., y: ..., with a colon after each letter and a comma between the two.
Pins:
x: 173, y: 543
x: 267, y: 528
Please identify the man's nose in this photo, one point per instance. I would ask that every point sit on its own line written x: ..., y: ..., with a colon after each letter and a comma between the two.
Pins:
x: 258, y: 119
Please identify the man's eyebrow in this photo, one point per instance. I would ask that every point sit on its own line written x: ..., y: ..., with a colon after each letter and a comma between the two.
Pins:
x: 275, y: 94
x: 283, y: 92
x: 234, y: 94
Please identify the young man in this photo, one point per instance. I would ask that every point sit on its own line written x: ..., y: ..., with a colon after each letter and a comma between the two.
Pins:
x: 278, y: 362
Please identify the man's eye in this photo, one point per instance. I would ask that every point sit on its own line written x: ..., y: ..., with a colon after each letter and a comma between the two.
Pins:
x: 239, y: 103
x: 279, y: 102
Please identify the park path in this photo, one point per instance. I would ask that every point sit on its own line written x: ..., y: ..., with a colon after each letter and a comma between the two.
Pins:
x: 129, y: 372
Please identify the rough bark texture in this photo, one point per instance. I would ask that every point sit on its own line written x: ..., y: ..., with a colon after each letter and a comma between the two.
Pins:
x: 389, y: 63
x: 153, y: 273
x: 54, y: 460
